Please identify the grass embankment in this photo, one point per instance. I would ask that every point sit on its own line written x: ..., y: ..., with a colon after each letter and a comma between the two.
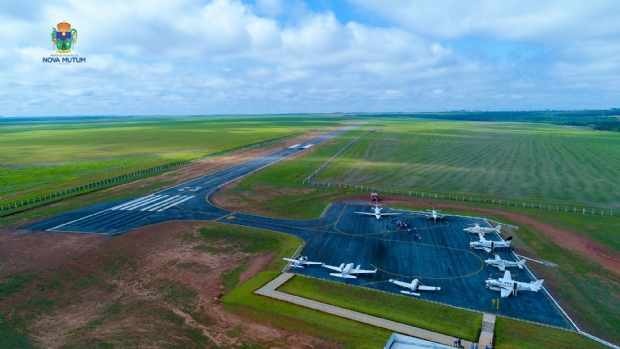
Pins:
x: 40, y: 157
x: 414, y: 312
x: 520, y: 161
x: 278, y: 191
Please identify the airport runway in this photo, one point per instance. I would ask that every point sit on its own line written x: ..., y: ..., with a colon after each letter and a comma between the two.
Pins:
x: 339, y: 236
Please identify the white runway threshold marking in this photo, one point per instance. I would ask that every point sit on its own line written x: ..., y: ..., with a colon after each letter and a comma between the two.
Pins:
x: 175, y: 204
x: 159, y: 203
x: 143, y: 202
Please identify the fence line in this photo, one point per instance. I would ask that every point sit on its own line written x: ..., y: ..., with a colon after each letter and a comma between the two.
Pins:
x: 336, y: 155
x: 464, y: 198
x: 19, y: 205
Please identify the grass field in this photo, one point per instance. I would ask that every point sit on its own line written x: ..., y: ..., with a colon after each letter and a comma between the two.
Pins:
x: 43, y: 156
x: 503, y: 160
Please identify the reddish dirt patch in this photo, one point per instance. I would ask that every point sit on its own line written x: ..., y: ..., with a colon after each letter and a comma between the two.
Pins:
x: 566, y: 239
x: 162, y: 255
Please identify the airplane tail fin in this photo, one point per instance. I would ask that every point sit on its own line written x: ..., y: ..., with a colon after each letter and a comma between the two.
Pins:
x: 536, y: 285
x: 521, y: 264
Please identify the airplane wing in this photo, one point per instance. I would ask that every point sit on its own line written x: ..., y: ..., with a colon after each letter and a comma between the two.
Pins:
x: 487, y: 249
x: 311, y: 263
x: 507, y: 276
x: 497, y: 258
x: 400, y: 283
x: 390, y: 214
x: 505, y: 292
x: 332, y: 267
x: 501, y: 267
x: 290, y: 260
x: 367, y: 213
x: 361, y: 271
x: 343, y: 276
x: 482, y: 239
x: 429, y: 288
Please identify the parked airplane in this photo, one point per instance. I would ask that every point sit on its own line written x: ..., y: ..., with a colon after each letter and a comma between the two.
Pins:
x: 508, y: 286
x: 414, y: 286
x: 300, y: 262
x: 503, y: 264
x: 477, y: 229
x: 345, y: 271
x: 377, y: 212
x: 434, y: 215
x: 487, y: 245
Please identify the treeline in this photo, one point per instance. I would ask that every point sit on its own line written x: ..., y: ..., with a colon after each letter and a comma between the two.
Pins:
x: 608, y: 119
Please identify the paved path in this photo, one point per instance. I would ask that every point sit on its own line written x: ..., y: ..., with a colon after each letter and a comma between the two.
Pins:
x: 488, y: 327
x: 269, y: 290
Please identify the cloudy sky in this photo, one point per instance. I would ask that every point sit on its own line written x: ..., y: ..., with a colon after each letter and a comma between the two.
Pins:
x: 194, y: 57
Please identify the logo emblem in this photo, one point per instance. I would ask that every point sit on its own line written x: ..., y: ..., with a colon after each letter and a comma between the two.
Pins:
x: 64, y: 38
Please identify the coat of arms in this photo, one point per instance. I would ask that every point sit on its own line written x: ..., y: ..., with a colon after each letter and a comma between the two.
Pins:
x: 64, y: 38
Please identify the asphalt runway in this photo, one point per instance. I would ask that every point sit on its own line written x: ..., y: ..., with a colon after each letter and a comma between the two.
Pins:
x: 339, y: 236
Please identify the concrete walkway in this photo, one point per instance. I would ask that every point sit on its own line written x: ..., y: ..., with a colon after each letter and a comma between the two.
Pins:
x: 269, y: 290
x: 488, y: 328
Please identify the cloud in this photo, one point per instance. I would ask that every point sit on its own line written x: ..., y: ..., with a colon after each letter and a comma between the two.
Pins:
x: 228, y: 56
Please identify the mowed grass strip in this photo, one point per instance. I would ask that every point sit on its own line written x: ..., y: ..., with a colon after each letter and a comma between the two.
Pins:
x: 513, y: 334
x: 504, y: 160
x: 431, y: 316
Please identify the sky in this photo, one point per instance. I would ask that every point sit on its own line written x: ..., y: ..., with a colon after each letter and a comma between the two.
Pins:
x: 198, y: 57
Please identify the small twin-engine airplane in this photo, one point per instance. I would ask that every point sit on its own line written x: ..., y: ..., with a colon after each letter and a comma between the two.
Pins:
x: 377, y: 212
x: 507, y: 286
x: 477, y: 229
x: 434, y: 215
x: 300, y: 262
x: 345, y: 271
x: 414, y: 286
x: 487, y: 245
x: 503, y: 264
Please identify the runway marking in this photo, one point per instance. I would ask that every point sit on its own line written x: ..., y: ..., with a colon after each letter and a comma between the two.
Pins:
x: 143, y: 202
x: 76, y: 220
x: 175, y: 203
x: 159, y: 203
x: 132, y: 202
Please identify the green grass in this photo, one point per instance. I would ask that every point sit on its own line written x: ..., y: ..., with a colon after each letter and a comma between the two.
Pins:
x: 39, y: 157
x: 504, y: 160
x: 414, y: 312
x: 512, y: 334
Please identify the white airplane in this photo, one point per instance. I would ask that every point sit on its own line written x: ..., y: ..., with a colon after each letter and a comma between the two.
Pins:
x: 503, y: 264
x: 508, y: 286
x: 377, y: 212
x: 414, y: 286
x: 477, y: 229
x: 434, y: 215
x: 300, y: 262
x: 487, y: 245
x: 345, y: 271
